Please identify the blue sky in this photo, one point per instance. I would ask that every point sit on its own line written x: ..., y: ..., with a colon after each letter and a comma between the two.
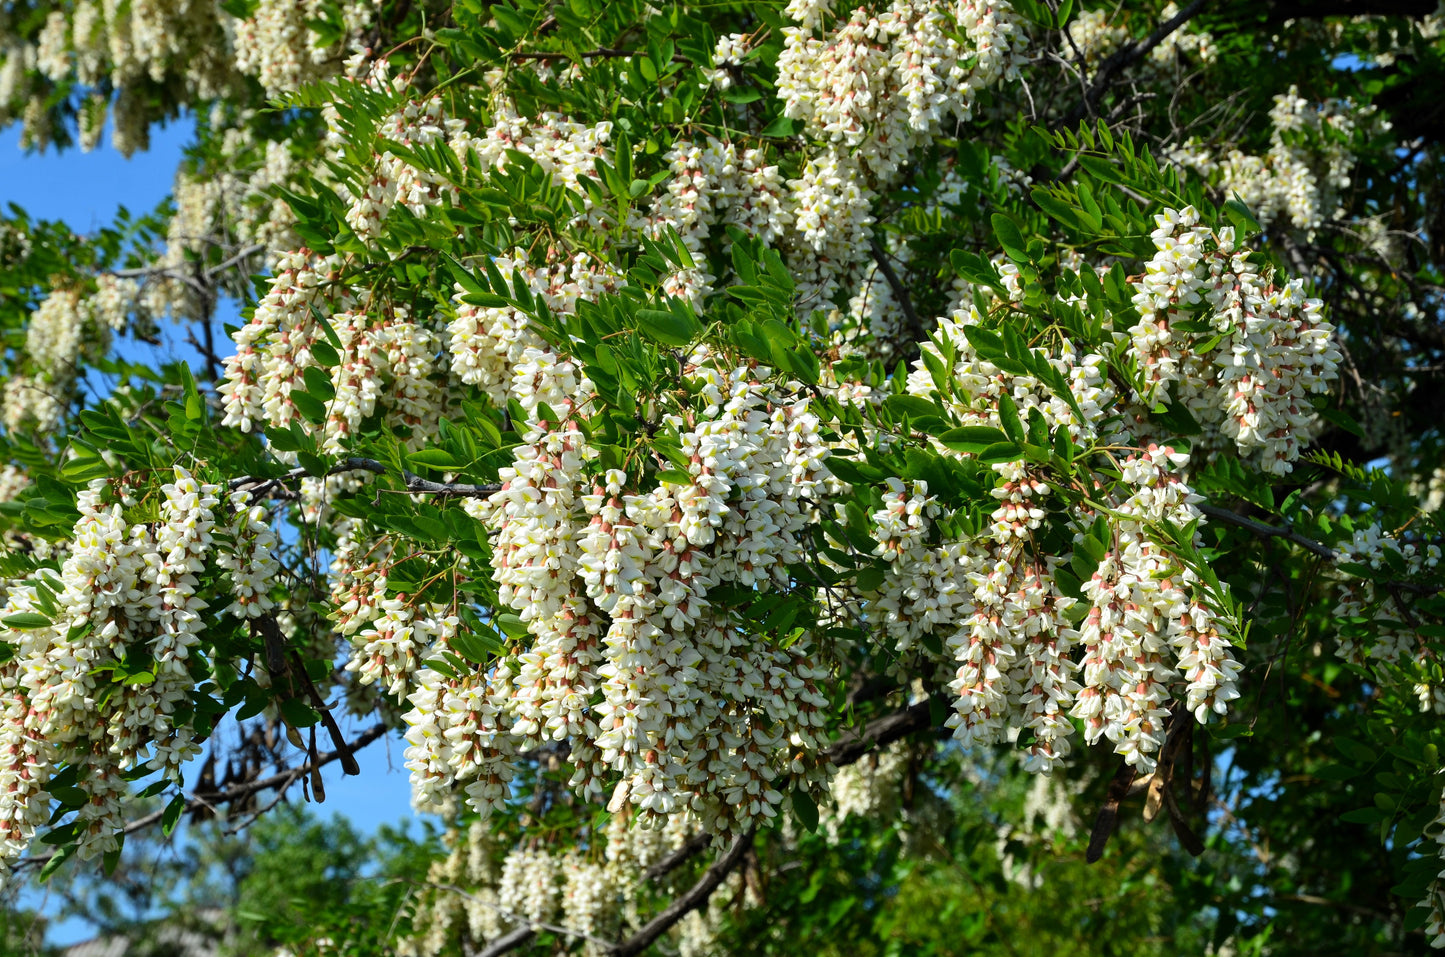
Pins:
x: 85, y: 190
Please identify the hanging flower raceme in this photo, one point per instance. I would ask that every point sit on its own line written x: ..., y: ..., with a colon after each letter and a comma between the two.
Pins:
x: 100, y: 687
x: 1272, y: 348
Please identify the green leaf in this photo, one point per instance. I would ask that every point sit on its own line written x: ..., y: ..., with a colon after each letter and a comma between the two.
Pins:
x: 315, y: 465
x: 1242, y: 218
x: 870, y: 578
x: 1364, y: 815
x: 1176, y: 417
x: 26, y: 621
x: 171, y: 816
x: 1355, y: 751
x: 781, y: 126
x: 318, y: 383
x: 972, y: 438
x: 806, y: 809
x: 475, y: 646
x: 1008, y: 416
x: 669, y: 328
x: 1002, y: 452
x: 298, y: 713
x: 325, y: 353
x: 910, y: 406
x: 1343, y: 421
x: 311, y: 408
x: 434, y: 458
x: 55, y: 863
x: 512, y: 626
x: 1009, y: 237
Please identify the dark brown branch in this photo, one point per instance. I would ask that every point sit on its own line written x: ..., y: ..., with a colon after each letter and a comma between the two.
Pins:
x: 880, y: 256
x: 1267, y: 531
x: 414, y: 483
x: 1317, y: 9
x: 879, y: 733
x: 511, y: 941
x: 677, y: 858
x: 211, y: 798
x: 693, y: 898
x: 1124, y: 57
x: 601, y: 53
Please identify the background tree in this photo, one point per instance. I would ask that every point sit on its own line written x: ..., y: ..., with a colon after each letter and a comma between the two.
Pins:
x: 788, y: 468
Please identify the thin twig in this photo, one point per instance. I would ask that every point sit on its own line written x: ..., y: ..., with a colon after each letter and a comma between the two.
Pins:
x: 512, y: 941
x: 1126, y: 56
x: 1268, y: 531
x: 414, y: 483
x: 693, y: 898
x: 600, y: 53
x: 522, y: 919
x: 880, y: 256
x: 210, y: 798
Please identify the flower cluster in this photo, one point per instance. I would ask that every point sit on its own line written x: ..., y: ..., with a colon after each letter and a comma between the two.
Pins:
x: 1435, y: 897
x: 1273, y: 349
x: 196, y: 50
x: 1094, y: 35
x: 1390, y: 638
x: 392, y: 181
x: 273, y: 347
x: 870, y: 90
x: 68, y: 329
x: 487, y: 343
x: 593, y: 893
x: 716, y: 184
x: 274, y: 352
x: 233, y: 197
x: 128, y: 47
x: 281, y: 46
x: 1308, y: 164
x: 612, y: 586
x: 99, y: 688
x: 1142, y: 631
x: 867, y: 789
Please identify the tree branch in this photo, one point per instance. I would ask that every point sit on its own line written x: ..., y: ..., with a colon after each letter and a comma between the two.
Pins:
x: 145, y: 272
x: 693, y: 898
x: 881, y: 732
x: 1267, y: 531
x: 210, y: 798
x: 880, y: 256
x: 531, y: 926
x: 677, y: 858
x: 510, y: 941
x: 414, y: 483
x: 1317, y: 9
x: 1126, y: 56
x: 878, y: 733
x: 1309, y: 544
